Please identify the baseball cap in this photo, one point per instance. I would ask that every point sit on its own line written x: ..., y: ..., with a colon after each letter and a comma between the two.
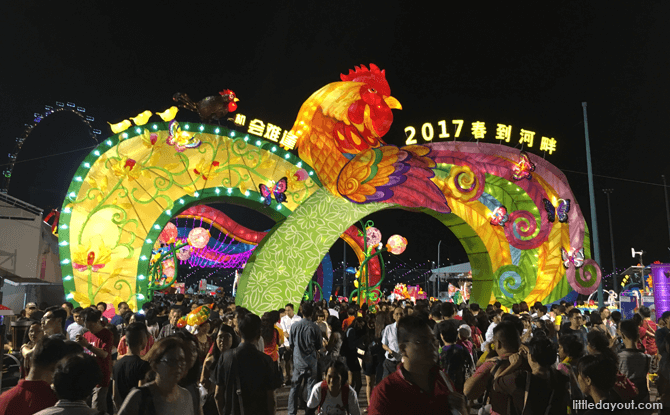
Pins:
x: 31, y: 305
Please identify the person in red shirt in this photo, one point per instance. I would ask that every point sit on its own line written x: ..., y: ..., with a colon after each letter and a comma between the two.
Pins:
x: 351, y: 315
x: 34, y: 393
x: 98, y: 341
x: 649, y: 339
x: 417, y: 386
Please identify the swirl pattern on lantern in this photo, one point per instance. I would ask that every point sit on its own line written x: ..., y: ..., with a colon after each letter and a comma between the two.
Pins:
x: 464, y: 184
x: 510, y: 280
x: 583, y: 280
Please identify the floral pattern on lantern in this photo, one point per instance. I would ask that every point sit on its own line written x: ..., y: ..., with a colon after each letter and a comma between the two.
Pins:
x: 374, y: 236
x: 396, y: 244
x: 198, y: 237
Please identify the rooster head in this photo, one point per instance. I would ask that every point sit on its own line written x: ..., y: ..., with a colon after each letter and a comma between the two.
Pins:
x: 232, y: 99
x: 374, y: 107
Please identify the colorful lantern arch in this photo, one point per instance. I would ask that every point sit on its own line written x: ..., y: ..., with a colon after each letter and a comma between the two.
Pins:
x: 514, y: 213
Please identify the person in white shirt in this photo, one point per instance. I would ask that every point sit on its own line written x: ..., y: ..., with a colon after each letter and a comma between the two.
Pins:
x: 390, y: 344
x: 488, y: 338
x: 328, y: 397
x: 76, y: 328
x: 285, y: 323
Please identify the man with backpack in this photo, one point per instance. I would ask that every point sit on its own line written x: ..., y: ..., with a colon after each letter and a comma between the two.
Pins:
x: 453, y: 358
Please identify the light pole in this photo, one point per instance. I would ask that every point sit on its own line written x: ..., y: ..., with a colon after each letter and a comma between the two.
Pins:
x: 667, y: 207
x: 592, y: 199
x: 609, y: 213
x: 438, y: 266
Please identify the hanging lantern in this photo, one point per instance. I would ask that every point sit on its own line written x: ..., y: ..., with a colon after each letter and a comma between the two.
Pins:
x: 169, y: 233
x: 184, y: 253
x: 198, y: 237
x: 168, y: 268
x: 374, y: 236
x: 396, y: 244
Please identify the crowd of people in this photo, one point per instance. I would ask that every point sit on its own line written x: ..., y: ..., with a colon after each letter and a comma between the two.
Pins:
x: 423, y: 358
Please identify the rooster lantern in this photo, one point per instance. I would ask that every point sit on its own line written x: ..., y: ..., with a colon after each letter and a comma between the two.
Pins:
x: 339, y: 133
x: 209, y: 109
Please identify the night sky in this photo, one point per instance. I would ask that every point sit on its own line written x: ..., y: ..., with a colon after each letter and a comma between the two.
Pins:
x: 529, y: 65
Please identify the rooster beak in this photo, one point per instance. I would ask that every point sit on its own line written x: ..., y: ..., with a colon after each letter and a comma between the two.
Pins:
x: 392, y: 103
x: 235, y: 99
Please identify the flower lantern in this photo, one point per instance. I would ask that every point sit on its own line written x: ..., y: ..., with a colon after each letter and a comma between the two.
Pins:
x: 169, y: 233
x: 184, y: 253
x: 396, y: 244
x: 198, y: 237
x: 374, y: 236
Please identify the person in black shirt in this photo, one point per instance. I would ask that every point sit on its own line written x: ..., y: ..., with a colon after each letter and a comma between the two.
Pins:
x: 130, y: 369
x: 576, y: 325
x: 596, y: 377
x: 247, y: 369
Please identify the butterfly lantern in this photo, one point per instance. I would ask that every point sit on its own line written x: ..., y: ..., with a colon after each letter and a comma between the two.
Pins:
x: 561, y: 210
x: 277, y: 191
x: 499, y: 216
x: 523, y: 168
x: 575, y: 258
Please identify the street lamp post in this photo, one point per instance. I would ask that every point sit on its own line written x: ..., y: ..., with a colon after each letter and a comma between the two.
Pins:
x: 609, y: 213
x: 438, y: 266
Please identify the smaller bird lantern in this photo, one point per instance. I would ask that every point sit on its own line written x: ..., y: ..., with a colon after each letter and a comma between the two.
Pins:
x: 396, y: 244
x: 198, y: 237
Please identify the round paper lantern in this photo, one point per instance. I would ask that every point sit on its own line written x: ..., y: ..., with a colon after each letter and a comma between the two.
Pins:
x: 198, y: 237
x: 396, y: 244
x: 168, y: 268
x: 169, y: 233
x: 184, y: 253
x: 374, y: 236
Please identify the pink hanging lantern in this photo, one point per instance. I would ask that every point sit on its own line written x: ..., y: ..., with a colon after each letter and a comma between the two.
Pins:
x: 374, y: 236
x: 184, y: 253
x: 168, y: 234
x: 396, y: 244
x: 198, y: 237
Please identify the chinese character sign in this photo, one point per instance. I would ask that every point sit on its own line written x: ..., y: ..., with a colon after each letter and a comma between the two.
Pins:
x: 478, y: 130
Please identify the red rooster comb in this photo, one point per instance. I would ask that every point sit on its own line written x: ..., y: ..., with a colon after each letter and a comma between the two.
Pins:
x: 226, y: 92
x: 373, y: 76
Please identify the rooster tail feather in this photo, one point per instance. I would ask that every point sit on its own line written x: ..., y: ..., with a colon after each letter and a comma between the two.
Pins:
x: 184, y: 101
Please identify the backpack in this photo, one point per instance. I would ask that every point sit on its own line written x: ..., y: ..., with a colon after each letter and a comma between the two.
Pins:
x: 324, y: 393
x: 459, y: 366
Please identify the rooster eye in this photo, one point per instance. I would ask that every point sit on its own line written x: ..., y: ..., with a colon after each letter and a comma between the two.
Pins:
x: 372, y: 90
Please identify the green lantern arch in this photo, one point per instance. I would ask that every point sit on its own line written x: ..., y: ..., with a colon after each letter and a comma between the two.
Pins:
x: 134, y: 182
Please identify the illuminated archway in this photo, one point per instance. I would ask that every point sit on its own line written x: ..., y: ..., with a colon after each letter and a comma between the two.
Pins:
x: 133, y: 183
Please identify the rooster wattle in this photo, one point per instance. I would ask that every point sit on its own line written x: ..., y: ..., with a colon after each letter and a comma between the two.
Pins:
x: 340, y: 129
